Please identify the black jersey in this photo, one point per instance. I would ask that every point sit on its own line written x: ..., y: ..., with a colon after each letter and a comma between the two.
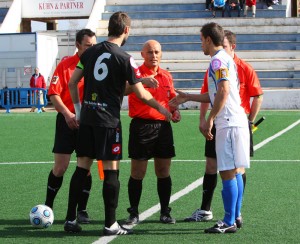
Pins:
x: 106, y: 68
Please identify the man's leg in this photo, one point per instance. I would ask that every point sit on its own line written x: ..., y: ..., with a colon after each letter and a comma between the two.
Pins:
x: 209, y: 183
x: 135, y: 187
x: 76, y: 187
x: 82, y: 215
x: 164, y: 188
x: 55, y: 178
x: 230, y: 196
x: 110, y: 192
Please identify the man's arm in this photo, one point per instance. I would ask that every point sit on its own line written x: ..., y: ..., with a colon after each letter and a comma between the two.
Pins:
x: 43, y: 83
x: 75, y: 78
x: 255, y: 107
x: 220, y: 99
x: 219, y: 103
x: 183, y: 97
x: 150, y: 82
x: 203, y: 110
x: 61, y: 107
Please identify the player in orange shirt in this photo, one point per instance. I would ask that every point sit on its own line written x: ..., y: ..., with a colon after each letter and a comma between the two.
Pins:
x: 65, y: 138
x: 151, y: 136
x: 249, y: 89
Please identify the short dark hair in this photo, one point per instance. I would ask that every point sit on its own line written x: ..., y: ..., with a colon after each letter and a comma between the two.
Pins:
x: 84, y: 32
x: 231, y: 37
x: 117, y: 23
x: 215, y: 32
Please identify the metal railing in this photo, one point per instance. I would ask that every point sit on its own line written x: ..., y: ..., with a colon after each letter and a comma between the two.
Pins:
x: 23, y: 98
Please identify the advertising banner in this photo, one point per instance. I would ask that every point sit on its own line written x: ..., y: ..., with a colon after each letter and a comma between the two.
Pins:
x: 56, y: 8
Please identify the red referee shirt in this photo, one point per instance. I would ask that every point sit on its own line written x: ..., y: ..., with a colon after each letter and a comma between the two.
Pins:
x: 61, y: 78
x: 162, y: 94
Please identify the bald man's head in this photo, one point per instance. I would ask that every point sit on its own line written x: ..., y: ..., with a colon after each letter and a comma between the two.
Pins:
x: 152, y: 54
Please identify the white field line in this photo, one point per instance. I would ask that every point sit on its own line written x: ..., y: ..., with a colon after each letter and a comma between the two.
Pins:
x: 146, y: 214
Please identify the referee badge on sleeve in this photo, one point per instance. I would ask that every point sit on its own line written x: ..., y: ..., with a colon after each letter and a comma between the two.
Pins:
x: 54, y: 79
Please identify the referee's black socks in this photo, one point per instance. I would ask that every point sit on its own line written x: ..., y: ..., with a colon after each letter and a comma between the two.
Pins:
x: 164, y: 188
x: 54, y: 184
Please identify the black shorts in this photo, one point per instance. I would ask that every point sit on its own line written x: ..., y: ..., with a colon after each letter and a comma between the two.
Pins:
x: 65, y: 138
x: 150, y: 139
x: 210, y: 146
x: 100, y: 143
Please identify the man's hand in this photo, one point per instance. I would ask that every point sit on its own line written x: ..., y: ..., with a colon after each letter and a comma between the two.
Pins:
x: 71, y: 121
x: 207, y: 130
x: 150, y: 82
x: 176, y: 117
x: 202, y: 126
x: 179, y: 99
x: 165, y: 112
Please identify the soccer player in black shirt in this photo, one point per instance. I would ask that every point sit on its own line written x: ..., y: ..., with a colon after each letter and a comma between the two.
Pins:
x: 106, y: 69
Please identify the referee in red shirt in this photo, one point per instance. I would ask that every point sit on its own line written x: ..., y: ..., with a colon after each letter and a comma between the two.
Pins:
x: 65, y: 138
x: 151, y: 135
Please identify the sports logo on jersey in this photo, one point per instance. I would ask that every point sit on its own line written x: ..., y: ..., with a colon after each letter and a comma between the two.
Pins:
x: 94, y: 96
x: 116, y: 148
x: 216, y: 64
x: 221, y: 73
x: 54, y: 79
x: 135, y: 68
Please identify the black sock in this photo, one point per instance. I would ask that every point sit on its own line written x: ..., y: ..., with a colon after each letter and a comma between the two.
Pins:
x: 209, y: 185
x: 244, y: 180
x: 76, y: 187
x: 135, y: 188
x: 54, y: 184
x: 110, y: 193
x: 84, y: 196
x: 164, y: 188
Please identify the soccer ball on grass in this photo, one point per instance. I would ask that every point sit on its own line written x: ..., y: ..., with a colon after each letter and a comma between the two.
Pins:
x: 41, y: 216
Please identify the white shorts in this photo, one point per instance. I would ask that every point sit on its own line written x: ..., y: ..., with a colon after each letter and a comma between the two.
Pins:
x: 233, y: 148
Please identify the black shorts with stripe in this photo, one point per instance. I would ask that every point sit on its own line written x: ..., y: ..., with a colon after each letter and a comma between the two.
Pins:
x: 150, y: 139
x: 65, y: 139
x: 100, y: 143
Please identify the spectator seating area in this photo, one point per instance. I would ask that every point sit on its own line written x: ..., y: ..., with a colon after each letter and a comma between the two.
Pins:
x: 270, y: 42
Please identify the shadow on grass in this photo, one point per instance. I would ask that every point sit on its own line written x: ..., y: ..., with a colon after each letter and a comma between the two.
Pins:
x: 22, y: 229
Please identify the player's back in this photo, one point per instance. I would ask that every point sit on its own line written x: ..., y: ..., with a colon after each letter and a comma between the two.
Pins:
x: 106, y: 69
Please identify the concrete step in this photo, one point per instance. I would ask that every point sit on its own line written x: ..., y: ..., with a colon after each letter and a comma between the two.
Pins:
x: 192, y: 30
x: 147, y: 2
x: 3, y: 12
x: 230, y: 22
x: 141, y: 7
x: 196, y: 38
x: 192, y: 26
x: 281, y: 64
x: 244, y: 54
x: 260, y: 13
x: 159, y: 7
x: 187, y: 46
x: 265, y: 82
x: 262, y: 74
